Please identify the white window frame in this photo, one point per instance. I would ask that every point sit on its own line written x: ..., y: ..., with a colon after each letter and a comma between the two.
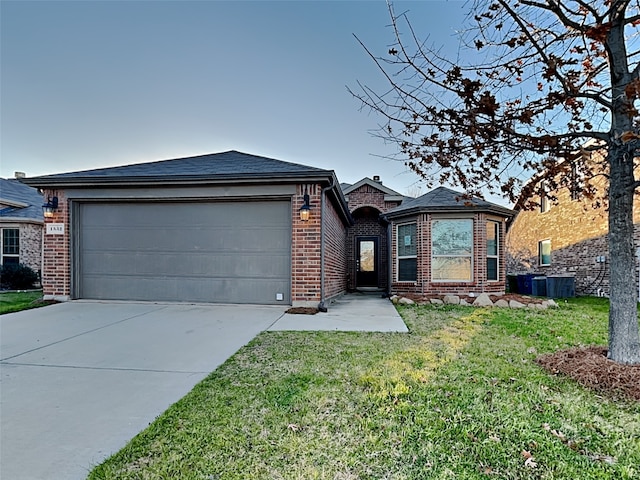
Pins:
x: 8, y: 255
x: 406, y: 257
x: 470, y: 255
x: 544, y: 201
x: 540, y: 243
x: 497, y: 228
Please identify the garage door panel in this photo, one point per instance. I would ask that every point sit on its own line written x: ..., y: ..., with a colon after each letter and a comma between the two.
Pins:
x: 230, y: 252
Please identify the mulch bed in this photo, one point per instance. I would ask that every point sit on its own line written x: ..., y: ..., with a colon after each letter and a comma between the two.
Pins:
x: 302, y: 311
x: 590, y: 367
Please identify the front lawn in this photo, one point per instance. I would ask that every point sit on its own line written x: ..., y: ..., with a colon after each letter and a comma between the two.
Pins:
x: 459, y: 397
x: 16, y: 301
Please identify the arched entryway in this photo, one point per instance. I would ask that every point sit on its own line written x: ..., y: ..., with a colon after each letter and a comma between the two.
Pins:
x: 367, y: 245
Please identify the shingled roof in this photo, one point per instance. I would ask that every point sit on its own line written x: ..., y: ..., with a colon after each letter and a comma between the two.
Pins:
x: 445, y: 200
x: 225, y: 166
x: 21, y: 202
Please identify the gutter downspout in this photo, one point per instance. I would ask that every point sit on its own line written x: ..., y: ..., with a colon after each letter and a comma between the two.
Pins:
x: 322, y: 305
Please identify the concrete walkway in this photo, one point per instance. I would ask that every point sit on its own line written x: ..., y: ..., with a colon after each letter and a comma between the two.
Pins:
x: 78, y: 380
x: 351, y: 313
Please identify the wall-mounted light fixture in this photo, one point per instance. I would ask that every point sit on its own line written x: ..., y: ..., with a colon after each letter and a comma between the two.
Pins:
x: 50, y: 207
x: 305, y: 209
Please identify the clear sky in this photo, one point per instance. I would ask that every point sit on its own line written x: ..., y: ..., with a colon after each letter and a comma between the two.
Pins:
x: 91, y: 84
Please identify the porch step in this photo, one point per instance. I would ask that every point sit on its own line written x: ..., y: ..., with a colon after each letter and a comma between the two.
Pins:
x: 370, y: 291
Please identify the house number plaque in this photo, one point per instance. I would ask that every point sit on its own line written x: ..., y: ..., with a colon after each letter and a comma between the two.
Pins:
x: 55, y: 229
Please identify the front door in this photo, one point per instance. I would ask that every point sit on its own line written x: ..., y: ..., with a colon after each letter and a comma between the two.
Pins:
x: 367, y: 262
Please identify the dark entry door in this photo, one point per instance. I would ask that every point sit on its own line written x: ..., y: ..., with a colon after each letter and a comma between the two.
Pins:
x: 367, y: 262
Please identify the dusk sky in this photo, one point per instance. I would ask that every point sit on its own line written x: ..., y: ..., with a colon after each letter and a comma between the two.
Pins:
x: 92, y: 84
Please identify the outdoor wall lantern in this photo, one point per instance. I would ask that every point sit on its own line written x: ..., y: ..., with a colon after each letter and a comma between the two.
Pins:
x: 50, y: 207
x: 305, y: 209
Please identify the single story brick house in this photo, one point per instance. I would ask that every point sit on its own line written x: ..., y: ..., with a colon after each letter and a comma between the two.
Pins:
x: 21, y: 224
x: 228, y: 228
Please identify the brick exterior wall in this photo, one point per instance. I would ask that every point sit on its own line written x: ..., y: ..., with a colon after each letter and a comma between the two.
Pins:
x: 305, y: 251
x: 30, y: 243
x: 56, y: 268
x: 335, y: 253
x: 369, y: 196
x: 306, y: 246
x: 578, y: 232
x: 366, y: 203
x: 424, y: 285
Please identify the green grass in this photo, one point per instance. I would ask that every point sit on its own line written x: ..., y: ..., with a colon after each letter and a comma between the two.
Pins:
x: 459, y: 397
x: 16, y: 301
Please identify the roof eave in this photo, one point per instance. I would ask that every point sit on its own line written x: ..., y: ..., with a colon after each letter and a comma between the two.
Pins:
x: 129, y: 181
x: 35, y: 221
x: 503, y: 212
x: 13, y: 203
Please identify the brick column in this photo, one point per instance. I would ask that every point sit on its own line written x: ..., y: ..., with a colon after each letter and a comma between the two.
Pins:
x: 56, y: 255
x: 305, y: 248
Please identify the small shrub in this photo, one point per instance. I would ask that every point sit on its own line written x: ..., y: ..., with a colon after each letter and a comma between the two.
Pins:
x: 17, y: 276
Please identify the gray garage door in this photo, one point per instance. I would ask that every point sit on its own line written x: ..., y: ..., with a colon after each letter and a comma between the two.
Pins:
x: 226, y: 252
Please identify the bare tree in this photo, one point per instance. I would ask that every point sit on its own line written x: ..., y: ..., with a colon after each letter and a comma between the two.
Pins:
x: 548, y: 78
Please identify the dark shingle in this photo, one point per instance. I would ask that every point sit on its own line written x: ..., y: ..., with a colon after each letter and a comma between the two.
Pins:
x: 225, y: 164
x: 443, y: 199
x: 14, y: 191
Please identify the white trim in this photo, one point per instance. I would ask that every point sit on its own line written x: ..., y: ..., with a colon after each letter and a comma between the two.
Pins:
x: 405, y: 257
x: 497, y: 255
x: 540, y: 253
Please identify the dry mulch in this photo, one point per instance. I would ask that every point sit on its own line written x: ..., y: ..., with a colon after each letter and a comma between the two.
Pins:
x: 302, y: 310
x: 590, y: 367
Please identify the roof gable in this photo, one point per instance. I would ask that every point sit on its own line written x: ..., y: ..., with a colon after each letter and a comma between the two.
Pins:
x: 347, y: 189
x: 443, y: 199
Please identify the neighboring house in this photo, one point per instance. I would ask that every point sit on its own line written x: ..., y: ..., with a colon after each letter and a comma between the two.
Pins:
x: 238, y: 228
x: 21, y: 224
x: 442, y: 243
x: 568, y: 236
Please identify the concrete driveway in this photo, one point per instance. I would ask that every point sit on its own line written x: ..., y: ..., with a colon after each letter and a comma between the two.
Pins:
x: 80, y: 379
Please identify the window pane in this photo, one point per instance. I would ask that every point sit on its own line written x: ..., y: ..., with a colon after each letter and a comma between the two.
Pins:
x: 492, y: 269
x: 452, y: 237
x: 544, y: 248
x: 407, y: 270
x: 367, y: 256
x: 10, y: 241
x: 492, y: 238
x: 406, y: 240
x: 10, y: 260
x: 451, y: 268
